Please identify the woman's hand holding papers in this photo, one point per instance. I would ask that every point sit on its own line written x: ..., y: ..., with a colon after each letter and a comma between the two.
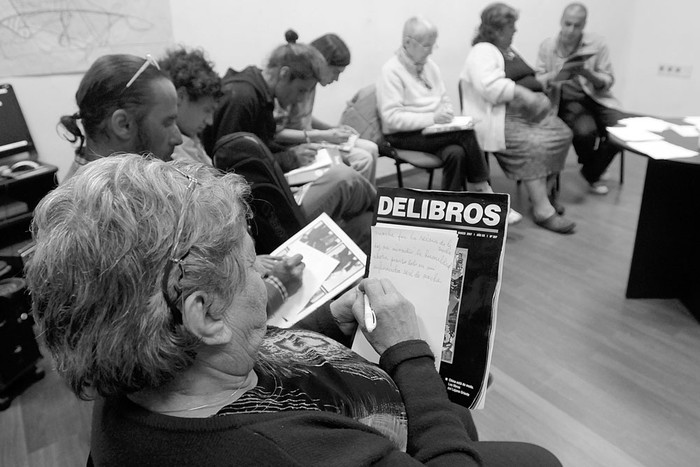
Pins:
x: 396, y: 317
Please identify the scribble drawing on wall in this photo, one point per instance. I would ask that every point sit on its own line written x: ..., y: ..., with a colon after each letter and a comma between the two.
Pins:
x: 53, y: 36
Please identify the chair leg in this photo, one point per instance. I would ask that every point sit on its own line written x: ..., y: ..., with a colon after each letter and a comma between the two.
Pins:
x: 622, y: 167
x: 399, y: 177
x: 430, y: 178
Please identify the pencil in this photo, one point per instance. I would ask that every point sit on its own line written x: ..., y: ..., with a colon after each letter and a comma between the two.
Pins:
x: 370, y: 317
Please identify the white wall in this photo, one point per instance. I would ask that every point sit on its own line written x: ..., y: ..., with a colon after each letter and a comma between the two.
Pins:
x: 641, y: 35
x: 664, y: 32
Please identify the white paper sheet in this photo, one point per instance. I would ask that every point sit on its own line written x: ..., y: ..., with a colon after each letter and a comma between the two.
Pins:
x: 662, y: 150
x: 646, y: 123
x: 418, y: 261
x: 687, y: 131
x: 627, y: 134
x: 311, y: 172
x: 693, y: 121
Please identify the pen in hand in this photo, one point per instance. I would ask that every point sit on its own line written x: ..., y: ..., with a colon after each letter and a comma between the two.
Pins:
x: 370, y: 317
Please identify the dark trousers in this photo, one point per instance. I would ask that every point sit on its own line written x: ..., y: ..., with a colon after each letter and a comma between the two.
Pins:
x: 588, y: 120
x: 464, y: 159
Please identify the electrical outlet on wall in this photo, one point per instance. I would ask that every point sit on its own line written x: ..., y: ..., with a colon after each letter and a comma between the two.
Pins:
x: 676, y: 71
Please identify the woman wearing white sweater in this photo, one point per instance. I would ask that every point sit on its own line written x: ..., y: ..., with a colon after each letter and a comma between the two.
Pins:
x: 514, y: 117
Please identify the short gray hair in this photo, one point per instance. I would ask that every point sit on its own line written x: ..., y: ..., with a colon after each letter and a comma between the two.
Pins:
x: 576, y: 7
x: 103, y: 240
x: 419, y: 28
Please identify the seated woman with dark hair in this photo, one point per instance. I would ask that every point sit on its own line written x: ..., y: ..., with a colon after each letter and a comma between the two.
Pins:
x: 144, y: 284
x: 296, y: 123
x: 513, y: 116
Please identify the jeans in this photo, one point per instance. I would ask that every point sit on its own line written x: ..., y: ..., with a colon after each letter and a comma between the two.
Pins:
x: 588, y: 120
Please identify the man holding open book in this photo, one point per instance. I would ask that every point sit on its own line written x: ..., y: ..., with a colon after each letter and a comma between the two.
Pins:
x: 576, y: 66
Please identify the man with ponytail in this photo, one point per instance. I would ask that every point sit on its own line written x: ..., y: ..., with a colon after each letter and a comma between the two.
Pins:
x: 248, y: 104
x: 125, y: 104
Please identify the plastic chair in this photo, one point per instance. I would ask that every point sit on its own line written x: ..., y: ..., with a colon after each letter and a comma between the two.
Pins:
x: 422, y: 160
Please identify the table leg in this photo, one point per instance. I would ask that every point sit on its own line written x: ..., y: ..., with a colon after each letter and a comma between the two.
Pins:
x: 666, y: 256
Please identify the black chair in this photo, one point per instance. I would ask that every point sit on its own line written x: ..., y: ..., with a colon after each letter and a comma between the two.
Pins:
x: 422, y: 160
x: 362, y: 114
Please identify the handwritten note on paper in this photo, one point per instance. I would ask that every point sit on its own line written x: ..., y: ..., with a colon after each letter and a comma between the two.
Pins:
x: 418, y: 261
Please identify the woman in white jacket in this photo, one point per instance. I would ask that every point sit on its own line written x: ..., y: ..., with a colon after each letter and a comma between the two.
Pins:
x: 514, y: 117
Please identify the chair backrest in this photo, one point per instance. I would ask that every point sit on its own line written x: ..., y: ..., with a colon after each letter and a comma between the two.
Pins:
x: 276, y: 214
x: 361, y: 113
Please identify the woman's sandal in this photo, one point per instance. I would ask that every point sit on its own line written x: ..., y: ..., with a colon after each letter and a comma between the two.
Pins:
x: 555, y: 203
x: 514, y: 217
x: 559, y: 208
x: 557, y: 223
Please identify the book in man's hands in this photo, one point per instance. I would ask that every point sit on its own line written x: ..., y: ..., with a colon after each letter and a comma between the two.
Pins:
x: 443, y: 251
x: 333, y: 263
x: 573, y: 61
x: 458, y: 123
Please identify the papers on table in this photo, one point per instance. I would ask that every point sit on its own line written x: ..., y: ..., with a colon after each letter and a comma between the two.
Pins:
x: 661, y: 149
x: 630, y: 133
x: 687, y: 131
x: 645, y: 123
x: 693, y: 121
x: 640, y: 134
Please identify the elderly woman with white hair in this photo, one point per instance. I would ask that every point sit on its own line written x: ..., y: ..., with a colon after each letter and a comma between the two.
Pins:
x: 144, y: 283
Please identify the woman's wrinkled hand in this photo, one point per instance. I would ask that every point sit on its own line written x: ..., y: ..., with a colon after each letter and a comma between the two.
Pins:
x: 396, y: 316
x: 444, y: 114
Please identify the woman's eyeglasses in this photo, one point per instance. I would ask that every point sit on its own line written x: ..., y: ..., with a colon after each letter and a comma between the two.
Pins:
x: 149, y: 61
x: 174, y: 258
x: 427, y: 48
